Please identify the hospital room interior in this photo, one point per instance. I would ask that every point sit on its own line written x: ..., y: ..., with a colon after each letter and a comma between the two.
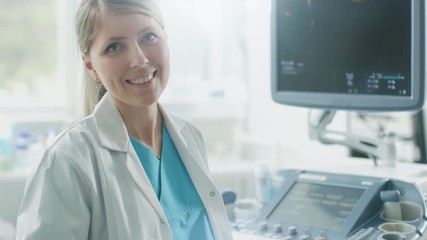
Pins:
x: 320, y: 160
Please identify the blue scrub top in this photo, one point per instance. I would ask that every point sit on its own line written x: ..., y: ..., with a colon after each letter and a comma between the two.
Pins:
x: 178, y: 197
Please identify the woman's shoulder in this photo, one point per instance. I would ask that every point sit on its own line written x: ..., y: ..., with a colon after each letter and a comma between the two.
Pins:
x: 69, y: 160
x: 74, y: 145
x: 78, y: 134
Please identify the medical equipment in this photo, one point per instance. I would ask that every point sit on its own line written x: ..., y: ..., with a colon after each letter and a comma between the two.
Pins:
x: 332, y: 206
x: 348, y: 55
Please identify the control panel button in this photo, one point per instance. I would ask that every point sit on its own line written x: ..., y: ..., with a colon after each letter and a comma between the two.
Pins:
x: 292, y: 230
x: 305, y: 237
x: 263, y: 226
x: 277, y: 228
x: 322, y: 236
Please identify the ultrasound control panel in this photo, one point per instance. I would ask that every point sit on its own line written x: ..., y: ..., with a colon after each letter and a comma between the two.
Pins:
x: 324, y: 206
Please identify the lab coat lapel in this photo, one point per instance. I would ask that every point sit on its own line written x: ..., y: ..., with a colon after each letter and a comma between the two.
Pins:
x: 113, y: 136
x: 111, y: 129
x: 186, y: 149
x: 195, y: 163
x: 190, y: 154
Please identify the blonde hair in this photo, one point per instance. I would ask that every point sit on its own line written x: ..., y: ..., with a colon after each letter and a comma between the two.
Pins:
x: 87, y: 24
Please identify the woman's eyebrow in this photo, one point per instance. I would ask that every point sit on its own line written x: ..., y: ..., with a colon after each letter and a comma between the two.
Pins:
x: 113, y: 38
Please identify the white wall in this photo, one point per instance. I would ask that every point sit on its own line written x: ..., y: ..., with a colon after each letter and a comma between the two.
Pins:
x: 285, y: 125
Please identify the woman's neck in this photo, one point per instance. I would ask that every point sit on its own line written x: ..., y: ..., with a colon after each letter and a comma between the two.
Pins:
x: 145, y: 125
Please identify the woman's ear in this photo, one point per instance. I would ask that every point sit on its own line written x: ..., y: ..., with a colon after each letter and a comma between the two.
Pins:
x: 89, y: 67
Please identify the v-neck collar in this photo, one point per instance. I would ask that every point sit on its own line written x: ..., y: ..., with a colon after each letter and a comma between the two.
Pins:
x: 147, y: 150
x: 150, y: 162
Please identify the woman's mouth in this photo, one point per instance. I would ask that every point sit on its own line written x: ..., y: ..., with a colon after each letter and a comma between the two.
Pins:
x: 143, y: 80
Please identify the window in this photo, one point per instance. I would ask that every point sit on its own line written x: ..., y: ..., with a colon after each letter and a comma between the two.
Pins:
x: 33, y: 75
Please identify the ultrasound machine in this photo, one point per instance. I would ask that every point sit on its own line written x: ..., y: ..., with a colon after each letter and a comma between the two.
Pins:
x: 351, y: 55
x: 321, y: 206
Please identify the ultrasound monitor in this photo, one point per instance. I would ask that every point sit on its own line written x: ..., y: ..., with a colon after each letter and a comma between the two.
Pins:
x: 348, y: 54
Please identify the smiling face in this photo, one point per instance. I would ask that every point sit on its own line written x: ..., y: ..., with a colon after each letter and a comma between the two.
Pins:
x: 130, y: 56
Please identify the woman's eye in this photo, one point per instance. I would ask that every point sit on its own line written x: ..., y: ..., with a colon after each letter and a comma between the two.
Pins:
x: 113, y: 47
x: 149, y: 37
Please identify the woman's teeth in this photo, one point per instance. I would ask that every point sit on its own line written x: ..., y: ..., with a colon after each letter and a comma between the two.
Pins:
x: 142, y: 80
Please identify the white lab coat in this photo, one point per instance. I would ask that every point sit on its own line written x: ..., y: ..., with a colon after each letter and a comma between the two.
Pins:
x: 90, y: 184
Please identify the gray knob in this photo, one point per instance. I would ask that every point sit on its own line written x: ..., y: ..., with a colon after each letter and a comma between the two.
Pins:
x: 322, y: 236
x: 305, y: 237
x: 263, y: 225
x: 292, y: 230
x: 277, y: 228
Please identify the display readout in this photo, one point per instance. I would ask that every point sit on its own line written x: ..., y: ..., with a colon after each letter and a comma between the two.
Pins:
x: 344, y: 47
x: 324, y: 206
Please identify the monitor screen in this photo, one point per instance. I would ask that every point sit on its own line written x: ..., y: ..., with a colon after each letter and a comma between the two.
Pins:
x: 324, y: 206
x: 348, y: 54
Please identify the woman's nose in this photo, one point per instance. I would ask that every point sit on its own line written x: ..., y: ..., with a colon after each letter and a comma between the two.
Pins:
x: 138, y: 57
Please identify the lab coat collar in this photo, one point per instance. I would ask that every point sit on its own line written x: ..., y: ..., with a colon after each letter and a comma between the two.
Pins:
x: 112, y: 130
x: 173, y: 126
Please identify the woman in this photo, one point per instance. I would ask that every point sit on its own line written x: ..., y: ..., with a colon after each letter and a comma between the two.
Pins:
x: 128, y: 170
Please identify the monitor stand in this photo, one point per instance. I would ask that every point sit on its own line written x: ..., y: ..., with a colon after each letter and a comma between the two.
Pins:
x: 377, y: 148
